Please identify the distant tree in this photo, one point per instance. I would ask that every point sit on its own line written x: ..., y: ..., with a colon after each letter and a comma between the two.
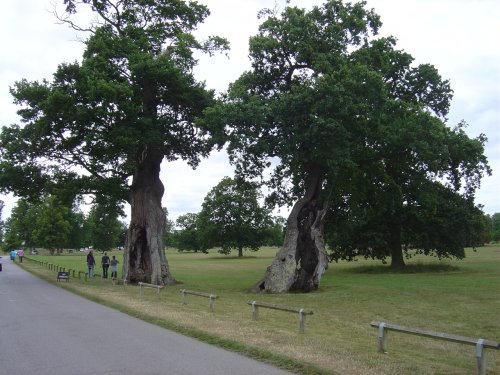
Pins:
x: 437, y: 222
x: 122, y: 236
x: 495, y: 227
x: 78, y: 234
x: 483, y: 228
x: 2, y: 205
x: 232, y: 218
x: 187, y: 235
x: 104, y: 223
x: 22, y: 222
x: 169, y: 230
x: 11, y: 239
x: 276, y: 231
x: 52, y: 228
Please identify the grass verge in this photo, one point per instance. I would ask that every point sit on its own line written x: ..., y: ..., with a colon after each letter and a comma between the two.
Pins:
x: 460, y: 297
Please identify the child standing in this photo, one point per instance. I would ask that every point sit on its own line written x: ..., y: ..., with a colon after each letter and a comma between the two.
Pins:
x: 114, y: 267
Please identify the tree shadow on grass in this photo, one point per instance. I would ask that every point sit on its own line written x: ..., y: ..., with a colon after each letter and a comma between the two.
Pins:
x: 408, y: 269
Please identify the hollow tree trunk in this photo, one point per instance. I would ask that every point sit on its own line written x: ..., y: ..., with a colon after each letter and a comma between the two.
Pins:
x: 301, y: 261
x: 144, y: 257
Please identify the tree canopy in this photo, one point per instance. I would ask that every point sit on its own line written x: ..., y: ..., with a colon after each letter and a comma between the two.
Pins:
x: 495, y: 227
x: 187, y: 235
x: 52, y: 228
x: 103, y: 126
x: 335, y: 110
x: 232, y: 218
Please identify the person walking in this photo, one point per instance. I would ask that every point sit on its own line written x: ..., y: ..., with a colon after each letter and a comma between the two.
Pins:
x: 90, y: 263
x: 13, y: 255
x: 20, y: 254
x: 114, y: 268
x: 105, y: 265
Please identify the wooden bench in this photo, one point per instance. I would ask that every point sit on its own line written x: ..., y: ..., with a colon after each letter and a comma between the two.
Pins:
x: 480, y: 344
x: 62, y: 275
x: 302, y: 312
x: 211, y: 297
x: 146, y: 285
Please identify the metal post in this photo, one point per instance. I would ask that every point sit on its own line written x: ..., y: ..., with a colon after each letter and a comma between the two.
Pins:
x: 255, y: 311
x: 481, y: 360
x: 141, y: 289
x: 382, y: 338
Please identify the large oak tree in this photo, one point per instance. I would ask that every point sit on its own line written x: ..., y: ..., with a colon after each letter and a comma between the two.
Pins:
x: 104, y: 126
x: 322, y: 99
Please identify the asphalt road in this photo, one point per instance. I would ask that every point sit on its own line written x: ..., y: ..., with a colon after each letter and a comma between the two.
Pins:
x: 45, y: 330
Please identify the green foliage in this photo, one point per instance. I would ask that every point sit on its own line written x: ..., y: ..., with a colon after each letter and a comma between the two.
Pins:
x: 168, y: 237
x: 2, y: 205
x: 52, y: 229
x: 122, y: 236
x: 79, y: 235
x: 326, y: 98
x: 438, y: 222
x: 495, y: 227
x: 187, y: 236
x: 231, y: 217
x: 276, y: 232
x: 96, y: 120
x: 104, y: 224
x: 304, y: 103
x: 21, y: 224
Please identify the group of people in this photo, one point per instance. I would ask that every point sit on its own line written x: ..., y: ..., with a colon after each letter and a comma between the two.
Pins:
x: 19, y: 253
x: 105, y: 263
x: 13, y: 253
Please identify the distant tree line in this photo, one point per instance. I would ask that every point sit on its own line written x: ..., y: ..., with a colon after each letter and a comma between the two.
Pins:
x: 52, y: 225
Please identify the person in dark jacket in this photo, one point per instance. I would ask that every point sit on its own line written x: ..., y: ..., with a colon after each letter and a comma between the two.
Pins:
x: 105, y: 265
x: 90, y: 263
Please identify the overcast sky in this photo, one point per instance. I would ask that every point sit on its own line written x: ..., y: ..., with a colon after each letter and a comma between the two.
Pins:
x: 459, y: 37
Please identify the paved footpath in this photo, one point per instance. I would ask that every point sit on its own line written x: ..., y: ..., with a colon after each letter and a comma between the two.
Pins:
x: 45, y: 330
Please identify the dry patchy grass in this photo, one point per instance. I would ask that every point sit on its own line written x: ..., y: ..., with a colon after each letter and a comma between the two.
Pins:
x: 456, y: 297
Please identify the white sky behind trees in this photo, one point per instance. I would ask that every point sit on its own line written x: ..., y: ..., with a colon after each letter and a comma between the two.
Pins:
x: 459, y: 37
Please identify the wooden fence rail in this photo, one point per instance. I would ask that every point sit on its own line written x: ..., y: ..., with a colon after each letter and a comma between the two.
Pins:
x: 480, y: 344
x: 211, y: 297
x: 146, y: 285
x: 302, y: 312
x: 116, y: 281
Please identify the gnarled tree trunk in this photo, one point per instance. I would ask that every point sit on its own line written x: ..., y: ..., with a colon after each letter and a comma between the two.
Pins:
x: 301, y: 261
x: 144, y: 257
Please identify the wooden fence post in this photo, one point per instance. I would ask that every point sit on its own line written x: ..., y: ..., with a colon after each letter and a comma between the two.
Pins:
x: 481, y: 360
x: 382, y: 338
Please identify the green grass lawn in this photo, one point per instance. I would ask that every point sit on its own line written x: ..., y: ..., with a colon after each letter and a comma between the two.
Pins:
x: 459, y: 297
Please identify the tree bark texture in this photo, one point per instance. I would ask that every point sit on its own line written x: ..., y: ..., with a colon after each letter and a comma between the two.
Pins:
x: 397, y: 259
x: 144, y: 257
x: 301, y: 261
